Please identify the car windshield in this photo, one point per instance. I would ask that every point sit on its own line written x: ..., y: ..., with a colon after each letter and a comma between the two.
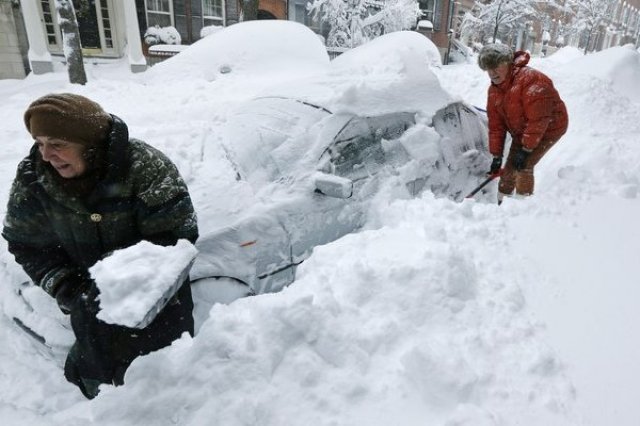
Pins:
x: 356, y: 150
x: 255, y: 134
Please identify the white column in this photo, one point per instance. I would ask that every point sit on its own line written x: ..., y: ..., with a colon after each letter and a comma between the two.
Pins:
x: 137, y: 62
x: 39, y: 56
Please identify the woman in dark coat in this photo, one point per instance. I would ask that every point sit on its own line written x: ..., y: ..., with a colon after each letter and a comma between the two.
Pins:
x: 523, y: 102
x: 85, y: 190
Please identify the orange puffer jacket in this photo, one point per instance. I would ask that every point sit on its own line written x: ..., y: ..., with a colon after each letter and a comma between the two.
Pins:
x: 527, y: 106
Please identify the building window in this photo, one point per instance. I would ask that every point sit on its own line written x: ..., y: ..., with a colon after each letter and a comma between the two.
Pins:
x: 159, y: 12
x: 49, y: 24
x: 431, y: 11
x: 301, y: 15
x: 428, y: 9
x: 212, y: 12
x: 106, y: 25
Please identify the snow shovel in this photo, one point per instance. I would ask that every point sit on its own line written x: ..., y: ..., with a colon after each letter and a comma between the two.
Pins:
x: 484, y: 183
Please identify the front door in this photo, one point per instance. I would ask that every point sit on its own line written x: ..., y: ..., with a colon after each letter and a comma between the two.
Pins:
x: 88, y: 24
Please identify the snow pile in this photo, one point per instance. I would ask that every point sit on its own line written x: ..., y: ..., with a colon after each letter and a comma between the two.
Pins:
x: 249, y: 49
x: 385, y: 66
x: 394, y: 71
x: 619, y: 66
x: 133, y: 280
x: 414, y: 329
x: 562, y: 56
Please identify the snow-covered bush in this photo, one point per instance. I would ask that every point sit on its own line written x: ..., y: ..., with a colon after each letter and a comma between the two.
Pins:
x: 354, y: 22
x: 162, y: 35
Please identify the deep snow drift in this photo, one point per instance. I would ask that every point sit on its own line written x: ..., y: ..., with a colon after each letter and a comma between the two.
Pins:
x: 437, y: 313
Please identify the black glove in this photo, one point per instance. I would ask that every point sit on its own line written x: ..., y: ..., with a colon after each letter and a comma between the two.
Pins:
x: 520, y: 159
x: 71, y: 291
x: 495, y: 166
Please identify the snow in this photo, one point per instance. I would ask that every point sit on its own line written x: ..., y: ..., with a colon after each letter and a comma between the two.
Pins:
x: 437, y: 313
x: 164, y: 35
x: 392, y: 70
x: 174, y: 48
x: 246, y: 51
x: 132, y: 280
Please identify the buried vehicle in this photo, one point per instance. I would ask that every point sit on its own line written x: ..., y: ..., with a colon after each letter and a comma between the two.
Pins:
x: 317, y: 149
x: 317, y: 171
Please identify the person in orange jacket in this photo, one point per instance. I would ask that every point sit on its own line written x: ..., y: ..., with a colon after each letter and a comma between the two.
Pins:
x: 523, y: 102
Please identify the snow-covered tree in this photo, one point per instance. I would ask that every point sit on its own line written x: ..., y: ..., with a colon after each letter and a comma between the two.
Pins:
x: 400, y: 14
x: 590, y: 15
x: 71, y: 41
x: 496, y: 19
x: 354, y: 22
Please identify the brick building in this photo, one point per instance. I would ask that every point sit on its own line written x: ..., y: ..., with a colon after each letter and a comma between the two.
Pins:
x: 30, y: 38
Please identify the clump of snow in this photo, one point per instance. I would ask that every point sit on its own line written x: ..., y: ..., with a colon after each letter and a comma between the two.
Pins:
x: 162, y: 35
x: 132, y: 281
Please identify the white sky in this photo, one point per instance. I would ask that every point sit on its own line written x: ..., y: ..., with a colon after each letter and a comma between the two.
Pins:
x: 438, y: 313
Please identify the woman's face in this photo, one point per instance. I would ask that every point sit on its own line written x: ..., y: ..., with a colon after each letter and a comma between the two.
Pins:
x: 499, y: 74
x: 64, y: 156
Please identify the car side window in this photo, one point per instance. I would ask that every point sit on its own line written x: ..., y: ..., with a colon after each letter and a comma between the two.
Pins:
x: 357, y: 151
x: 391, y: 126
x: 461, y: 125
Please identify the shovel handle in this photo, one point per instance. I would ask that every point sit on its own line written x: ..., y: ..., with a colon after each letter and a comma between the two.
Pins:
x: 484, y: 183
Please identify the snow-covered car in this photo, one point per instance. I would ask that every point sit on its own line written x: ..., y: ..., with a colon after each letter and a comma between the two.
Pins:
x: 317, y: 150
x: 317, y: 170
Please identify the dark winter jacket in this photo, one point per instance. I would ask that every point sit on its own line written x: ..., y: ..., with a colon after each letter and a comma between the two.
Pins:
x: 527, y: 106
x: 141, y: 196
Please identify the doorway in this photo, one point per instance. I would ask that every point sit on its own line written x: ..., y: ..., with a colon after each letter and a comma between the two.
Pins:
x: 88, y: 24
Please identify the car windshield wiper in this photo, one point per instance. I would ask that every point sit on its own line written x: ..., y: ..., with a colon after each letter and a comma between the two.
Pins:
x: 321, y: 108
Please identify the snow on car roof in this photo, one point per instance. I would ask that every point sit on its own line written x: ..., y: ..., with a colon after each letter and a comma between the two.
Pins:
x: 388, y: 75
x: 287, y: 59
x: 391, y: 73
x: 251, y: 48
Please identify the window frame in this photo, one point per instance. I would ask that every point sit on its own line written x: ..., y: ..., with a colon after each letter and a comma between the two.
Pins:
x: 105, y: 23
x: 208, y: 20
x: 430, y: 14
x: 169, y: 13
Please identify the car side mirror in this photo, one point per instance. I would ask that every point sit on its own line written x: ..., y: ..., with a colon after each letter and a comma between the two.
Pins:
x: 332, y: 185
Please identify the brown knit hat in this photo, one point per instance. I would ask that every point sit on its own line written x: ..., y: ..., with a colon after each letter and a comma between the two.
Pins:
x: 68, y: 116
